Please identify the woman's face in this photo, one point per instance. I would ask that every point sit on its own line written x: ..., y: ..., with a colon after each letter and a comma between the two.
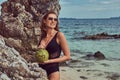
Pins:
x: 51, y: 21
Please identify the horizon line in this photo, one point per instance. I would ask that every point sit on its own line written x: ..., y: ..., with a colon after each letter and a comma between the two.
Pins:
x: 91, y: 18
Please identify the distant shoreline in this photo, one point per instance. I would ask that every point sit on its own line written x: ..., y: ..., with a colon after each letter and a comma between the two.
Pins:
x: 83, y: 18
x: 89, y: 18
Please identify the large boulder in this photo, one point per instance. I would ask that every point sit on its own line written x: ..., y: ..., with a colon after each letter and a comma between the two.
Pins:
x: 15, y: 67
x: 99, y: 55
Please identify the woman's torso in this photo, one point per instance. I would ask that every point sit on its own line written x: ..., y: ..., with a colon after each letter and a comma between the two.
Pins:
x: 53, y: 48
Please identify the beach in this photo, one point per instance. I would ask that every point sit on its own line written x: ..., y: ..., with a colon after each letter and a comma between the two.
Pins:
x: 82, y: 69
x: 20, y: 28
x: 92, y: 70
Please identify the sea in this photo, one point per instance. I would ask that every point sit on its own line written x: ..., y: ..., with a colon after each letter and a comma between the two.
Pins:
x: 75, y: 29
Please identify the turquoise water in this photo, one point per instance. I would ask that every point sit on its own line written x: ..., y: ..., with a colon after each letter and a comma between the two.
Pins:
x: 74, y: 29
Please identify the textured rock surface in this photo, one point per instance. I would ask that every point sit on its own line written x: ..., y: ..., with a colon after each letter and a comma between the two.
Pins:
x: 14, y: 67
x: 20, y: 23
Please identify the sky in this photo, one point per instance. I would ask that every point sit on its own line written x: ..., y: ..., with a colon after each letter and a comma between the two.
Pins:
x: 2, y: 1
x: 88, y: 8
x: 0, y: 4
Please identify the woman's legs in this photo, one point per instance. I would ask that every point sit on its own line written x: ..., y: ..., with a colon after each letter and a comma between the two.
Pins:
x: 54, y: 76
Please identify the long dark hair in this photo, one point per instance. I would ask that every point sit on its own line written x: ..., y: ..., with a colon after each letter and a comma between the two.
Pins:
x: 44, y: 27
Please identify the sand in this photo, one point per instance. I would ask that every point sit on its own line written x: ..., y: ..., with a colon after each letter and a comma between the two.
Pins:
x: 98, y: 70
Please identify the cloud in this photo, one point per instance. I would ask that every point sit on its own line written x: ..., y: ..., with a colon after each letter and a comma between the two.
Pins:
x: 62, y: 2
x: 105, y: 2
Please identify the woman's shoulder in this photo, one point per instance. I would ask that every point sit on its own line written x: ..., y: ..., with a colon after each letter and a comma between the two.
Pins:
x: 60, y: 37
x: 60, y: 34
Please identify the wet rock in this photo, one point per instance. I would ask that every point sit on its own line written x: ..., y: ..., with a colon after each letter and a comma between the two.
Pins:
x: 99, y: 55
x: 102, y: 36
x: 83, y: 77
x: 114, y: 76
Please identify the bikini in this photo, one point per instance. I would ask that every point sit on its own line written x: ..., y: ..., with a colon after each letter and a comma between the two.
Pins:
x: 54, y: 51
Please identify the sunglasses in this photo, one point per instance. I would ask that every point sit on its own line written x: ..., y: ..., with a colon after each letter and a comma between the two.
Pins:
x: 50, y: 18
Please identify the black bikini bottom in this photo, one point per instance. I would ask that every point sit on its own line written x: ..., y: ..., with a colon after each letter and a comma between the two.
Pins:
x: 50, y: 68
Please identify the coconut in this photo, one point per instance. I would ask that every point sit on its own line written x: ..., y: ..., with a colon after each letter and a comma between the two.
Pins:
x: 42, y: 55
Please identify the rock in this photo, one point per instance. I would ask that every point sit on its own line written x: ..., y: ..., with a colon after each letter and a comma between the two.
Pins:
x: 102, y: 36
x: 83, y: 77
x: 21, y: 22
x: 89, y: 56
x: 99, y: 55
x: 15, y: 67
x: 4, y: 77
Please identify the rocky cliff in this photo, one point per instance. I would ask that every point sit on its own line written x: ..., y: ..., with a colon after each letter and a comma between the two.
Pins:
x: 15, y: 67
x: 20, y: 33
x: 20, y: 25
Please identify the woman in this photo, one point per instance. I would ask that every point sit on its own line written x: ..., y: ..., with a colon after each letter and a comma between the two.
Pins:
x: 53, y: 41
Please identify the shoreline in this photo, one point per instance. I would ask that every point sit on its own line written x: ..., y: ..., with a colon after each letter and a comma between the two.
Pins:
x: 100, y: 70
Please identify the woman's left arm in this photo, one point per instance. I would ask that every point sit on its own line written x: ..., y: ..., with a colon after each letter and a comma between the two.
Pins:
x: 64, y: 46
